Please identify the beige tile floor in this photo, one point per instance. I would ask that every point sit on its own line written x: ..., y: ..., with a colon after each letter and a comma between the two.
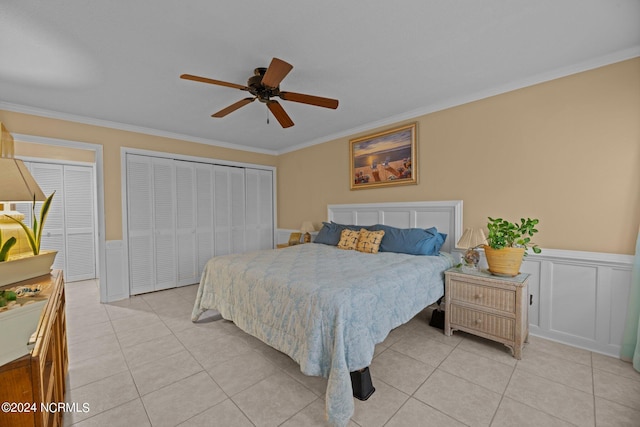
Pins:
x: 142, y: 362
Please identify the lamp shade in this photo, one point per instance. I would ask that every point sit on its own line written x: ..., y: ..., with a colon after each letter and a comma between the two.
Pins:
x: 307, y: 227
x: 471, y: 238
x: 16, y: 183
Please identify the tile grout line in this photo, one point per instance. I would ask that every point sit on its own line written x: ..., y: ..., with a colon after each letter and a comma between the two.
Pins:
x: 414, y: 328
x: 130, y: 374
x: 199, y: 364
x: 412, y: 395
x: 228, y: 397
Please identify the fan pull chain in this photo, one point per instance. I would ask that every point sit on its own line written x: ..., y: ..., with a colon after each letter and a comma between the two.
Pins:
x: 267, y: 116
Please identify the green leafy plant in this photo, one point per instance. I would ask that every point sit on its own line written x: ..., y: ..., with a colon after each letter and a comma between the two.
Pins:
x: 6, y: 296
x: 6, y: 247
x: 505, y: 234
x: 34, y: 233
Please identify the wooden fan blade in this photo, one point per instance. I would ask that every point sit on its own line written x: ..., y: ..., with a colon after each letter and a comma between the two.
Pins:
x: 212, y: 81
x: 233, y: 107
x: 278, y: 69
x: 279, y: 113
x: 309, y: 99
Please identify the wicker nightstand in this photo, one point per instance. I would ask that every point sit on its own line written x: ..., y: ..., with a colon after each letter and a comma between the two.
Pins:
x: 488, y: 306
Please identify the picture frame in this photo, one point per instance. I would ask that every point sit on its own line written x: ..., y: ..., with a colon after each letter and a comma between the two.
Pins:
x: 384, y: 159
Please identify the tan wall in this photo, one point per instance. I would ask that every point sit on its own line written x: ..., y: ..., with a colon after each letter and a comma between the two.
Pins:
x: 565, y: 151
x: 112, y: 140
x: 570, y: 147
x: 53, y: 152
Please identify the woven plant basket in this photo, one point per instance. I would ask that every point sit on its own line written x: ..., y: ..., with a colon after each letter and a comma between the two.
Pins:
x: 505, y: 261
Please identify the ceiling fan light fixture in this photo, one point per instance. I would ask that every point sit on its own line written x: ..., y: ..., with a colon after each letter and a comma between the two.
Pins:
x: 264, y: 85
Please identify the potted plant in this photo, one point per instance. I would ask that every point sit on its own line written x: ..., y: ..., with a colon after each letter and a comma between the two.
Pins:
x: 6, y: 247
x: 507, y: 244
x: 34, y: 233
x: 23, y: 266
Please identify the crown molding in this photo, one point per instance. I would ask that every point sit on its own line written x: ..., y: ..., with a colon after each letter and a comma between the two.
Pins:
x: 591, y: 64
x: 25, y: 109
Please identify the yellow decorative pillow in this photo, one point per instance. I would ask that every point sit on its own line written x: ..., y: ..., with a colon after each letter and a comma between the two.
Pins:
x: 348, y: 239
x: 369, y: 241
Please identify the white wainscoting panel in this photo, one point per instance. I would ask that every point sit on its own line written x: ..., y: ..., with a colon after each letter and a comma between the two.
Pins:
x: 578, y: 298
x: 117, y: 282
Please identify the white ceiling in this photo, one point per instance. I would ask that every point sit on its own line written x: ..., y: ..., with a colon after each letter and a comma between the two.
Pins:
x: 117, y: 63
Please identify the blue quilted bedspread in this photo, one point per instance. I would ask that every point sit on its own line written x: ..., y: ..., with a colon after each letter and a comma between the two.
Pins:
x: 326, y: 308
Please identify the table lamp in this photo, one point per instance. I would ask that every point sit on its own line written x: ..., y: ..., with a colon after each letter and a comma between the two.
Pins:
x: 306, y: 228
x: 16, y: 183
x: 471, y: 239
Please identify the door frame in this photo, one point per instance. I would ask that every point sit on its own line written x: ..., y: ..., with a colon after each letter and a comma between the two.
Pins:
x: 101, y: 257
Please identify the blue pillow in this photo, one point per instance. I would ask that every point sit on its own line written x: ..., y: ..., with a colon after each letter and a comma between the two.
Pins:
x: 329, y: 234
x: 412, y: 241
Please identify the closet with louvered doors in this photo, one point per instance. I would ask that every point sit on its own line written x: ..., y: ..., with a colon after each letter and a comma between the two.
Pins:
x: 180, y: 213
x: 70, y: 227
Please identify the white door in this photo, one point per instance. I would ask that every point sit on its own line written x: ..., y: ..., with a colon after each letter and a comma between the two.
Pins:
x: 229, y: 210
x: 265, y: 208
x: 238, y: 211
x: 204, y: 214
x: 186, y: 223
x: 50, y: 178
x: 79, y: 233
x: 164, y: 222
x: 71, y: 222
x: 140, y: 224
x: 222, y: 211
x: 259, y: 212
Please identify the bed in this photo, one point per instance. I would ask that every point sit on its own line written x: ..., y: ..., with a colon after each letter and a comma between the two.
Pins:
x: 325, y: 307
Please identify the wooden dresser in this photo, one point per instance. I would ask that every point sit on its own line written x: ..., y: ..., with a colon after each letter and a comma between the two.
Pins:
x: 36, y: 381
x: 489, y: 306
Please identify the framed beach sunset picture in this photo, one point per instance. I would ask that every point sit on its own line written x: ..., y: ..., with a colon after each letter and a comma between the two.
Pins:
x: 385, y: 158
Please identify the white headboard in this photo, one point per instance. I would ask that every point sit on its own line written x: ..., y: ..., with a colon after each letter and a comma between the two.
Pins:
x: 446, y: 216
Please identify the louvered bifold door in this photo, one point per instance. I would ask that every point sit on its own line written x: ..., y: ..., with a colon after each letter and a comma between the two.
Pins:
x: 238, y: 211
x: 79, y: 223
x: 222, y: 210
x: 140, y: 224
x: 252, y: 216
x: 204, y: 214
x: 186, y: 223
x: 164, y: 223
x: 259, y: 209
x: 265, y: 209
x: 50, y: 178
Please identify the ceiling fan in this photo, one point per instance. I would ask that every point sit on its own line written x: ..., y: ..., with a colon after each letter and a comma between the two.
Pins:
x: 264, y: 85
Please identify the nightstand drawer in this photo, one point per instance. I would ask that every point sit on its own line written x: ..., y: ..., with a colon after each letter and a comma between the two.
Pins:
x: 483, y: 296
x: 497, y: 326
